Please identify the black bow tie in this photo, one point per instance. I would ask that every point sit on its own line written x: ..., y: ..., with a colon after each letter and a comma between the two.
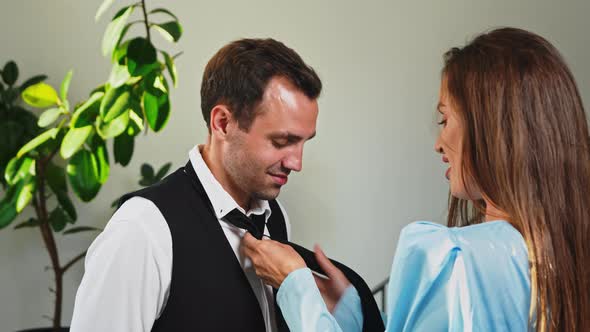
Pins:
x: 254, y: 225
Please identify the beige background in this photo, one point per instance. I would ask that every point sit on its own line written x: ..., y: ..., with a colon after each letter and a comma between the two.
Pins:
x: 370, y: 171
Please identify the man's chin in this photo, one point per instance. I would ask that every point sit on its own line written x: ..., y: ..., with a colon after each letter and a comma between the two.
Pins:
x: 269, y: 194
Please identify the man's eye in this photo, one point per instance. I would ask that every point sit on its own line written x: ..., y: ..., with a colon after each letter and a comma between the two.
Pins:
x: 279, y: 143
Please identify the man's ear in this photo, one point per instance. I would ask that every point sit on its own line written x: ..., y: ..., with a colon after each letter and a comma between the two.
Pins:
x: 220, y: 119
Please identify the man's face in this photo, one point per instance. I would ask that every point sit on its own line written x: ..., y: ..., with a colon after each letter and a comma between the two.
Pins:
x: 259, y: 161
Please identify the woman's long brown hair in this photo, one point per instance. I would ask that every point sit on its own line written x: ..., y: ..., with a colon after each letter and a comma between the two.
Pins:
x: 526, y: 148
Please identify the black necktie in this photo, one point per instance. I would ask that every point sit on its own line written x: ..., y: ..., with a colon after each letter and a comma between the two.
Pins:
x: 372, y: 321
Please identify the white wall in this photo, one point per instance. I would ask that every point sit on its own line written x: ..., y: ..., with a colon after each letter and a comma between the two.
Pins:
x: 372, y: 168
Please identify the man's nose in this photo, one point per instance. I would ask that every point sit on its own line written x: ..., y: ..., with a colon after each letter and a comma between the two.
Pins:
x: 294, y: 161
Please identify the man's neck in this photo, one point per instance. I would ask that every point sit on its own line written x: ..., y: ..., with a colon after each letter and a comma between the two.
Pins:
x: 213, y: 162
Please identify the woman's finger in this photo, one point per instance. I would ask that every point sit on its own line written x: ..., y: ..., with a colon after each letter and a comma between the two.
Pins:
x: 325, y: 263
x: 320, y: 282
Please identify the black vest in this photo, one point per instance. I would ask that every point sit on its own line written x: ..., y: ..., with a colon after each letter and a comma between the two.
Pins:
x: 209, y: 290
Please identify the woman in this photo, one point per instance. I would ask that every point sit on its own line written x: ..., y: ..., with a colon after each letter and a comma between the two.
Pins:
x: 514, y: 134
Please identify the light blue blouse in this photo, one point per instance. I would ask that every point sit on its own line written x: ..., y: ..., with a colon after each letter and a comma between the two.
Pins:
x: 473, y: 278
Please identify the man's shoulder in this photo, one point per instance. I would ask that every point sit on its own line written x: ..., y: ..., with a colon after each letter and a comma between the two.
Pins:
x: 136, y: 208
x: 142, y: 217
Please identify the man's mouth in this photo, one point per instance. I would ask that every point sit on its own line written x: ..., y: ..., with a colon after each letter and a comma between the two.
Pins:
x: 280, y: 179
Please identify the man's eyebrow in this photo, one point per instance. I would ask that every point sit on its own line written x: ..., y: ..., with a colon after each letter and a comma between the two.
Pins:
x: 290, y: 136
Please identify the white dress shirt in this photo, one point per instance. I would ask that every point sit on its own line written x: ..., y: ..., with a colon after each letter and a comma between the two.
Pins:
x: 128, y: 267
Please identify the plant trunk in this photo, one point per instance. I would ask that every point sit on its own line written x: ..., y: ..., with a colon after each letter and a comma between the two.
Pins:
x: 49, y: 240
x: 52, y: 249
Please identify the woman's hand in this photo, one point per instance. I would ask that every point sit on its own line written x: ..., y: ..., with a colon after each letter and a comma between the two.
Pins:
x: 272, y: 260
x: 333, y: 288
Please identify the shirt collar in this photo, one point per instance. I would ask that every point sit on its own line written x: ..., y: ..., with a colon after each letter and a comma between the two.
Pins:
x: 221, y: 200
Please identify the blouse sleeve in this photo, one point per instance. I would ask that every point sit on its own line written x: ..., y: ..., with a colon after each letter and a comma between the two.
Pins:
x: 302, y: 305
x: 427, y: 289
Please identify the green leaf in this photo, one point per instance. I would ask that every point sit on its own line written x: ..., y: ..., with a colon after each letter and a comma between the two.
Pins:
x: 171, y: 67
x: 49, y: 116
x: 150, y: 105
x: 157, y: 110
x: 10, y: 96
x: 83, y: 174
x: 58, y: 219
x: 171, y: 31
x: 114, y: 103
x: 10, y: 73
x: 163, y: 171
x: 100, y: 88
x: 32, y: 81
x: 160, y: 84
x: 65, y: 85
x: 103, y: 8
x: 80, y: 229
x: 50, y: 146
x: 7, y: 213
x: 147, y: 171
x: 12, y: 136
x: 85, y: 114
x: 8, y: 207
x: 31, y: 222
x: 56, y: 177
x: 114, y: 128
x: 120, y: 53
x: 74, y: 140
x: 119, y: 75
x: 146, y: 182
x: 163, y: 10
x: 28, y: 122
x: 136, y: 123
x: 66, y: 203
x: 25, y: 194
x: 40, y: 95
x: 123, y: 148
x: 123, y: 33
x: 113, y: 32
x: 141, y: 57
x: 35, y: 142
x: 99, y: 151
x: 19, y: 168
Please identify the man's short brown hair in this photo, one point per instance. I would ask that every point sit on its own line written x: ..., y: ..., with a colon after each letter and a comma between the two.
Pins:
x: 238, y: 73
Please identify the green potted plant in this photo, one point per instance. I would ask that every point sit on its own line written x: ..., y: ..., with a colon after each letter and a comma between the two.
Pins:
x: 71, y: 151
x: 17, y: 124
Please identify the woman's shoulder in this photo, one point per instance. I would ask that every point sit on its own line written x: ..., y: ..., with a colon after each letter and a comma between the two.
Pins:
x: 474, y: 275
x: 494, y: 237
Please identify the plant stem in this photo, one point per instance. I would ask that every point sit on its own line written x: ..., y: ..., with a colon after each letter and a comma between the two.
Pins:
x: 145, y: 20
x: 177, y: 55
x: 49, y: 240
x: 72, y: 262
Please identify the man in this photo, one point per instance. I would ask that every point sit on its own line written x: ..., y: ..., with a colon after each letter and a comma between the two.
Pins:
x: 169, y: 258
